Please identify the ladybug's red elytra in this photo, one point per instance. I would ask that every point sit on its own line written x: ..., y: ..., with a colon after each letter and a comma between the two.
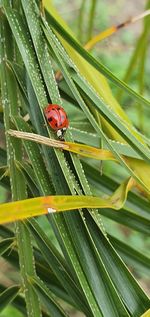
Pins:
x: 57, y: 119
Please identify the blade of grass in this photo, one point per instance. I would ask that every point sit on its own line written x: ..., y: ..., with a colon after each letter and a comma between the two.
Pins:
x: 43, y: 271
x: 57, y: 265
x: 133, y: 296
x: 3, y: 157
x: 18, y: 187
x: 30, y: 177
x: 44, y: 181
x: 89, y: 138
x: 131, y: 256
x: 51, y: 204
x: 81, y: 149
x: 115, y: 120
x: 5, y: 245
x: 47, y: 254
x: 7, y: 296
x: 47, y: 298
x: 19, y: 303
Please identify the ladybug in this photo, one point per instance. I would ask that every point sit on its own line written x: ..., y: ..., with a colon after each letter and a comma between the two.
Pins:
x: 57, y: 119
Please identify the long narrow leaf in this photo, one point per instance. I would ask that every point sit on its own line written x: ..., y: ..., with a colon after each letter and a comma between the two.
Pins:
x: 11, y: 105
x: 51, y: 204
x: 8, y: 295
x: 47, y: 298
x: 131, y: 256
x: 5, y: 245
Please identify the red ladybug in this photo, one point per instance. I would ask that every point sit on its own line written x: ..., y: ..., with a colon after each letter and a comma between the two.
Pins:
x: 57, y: 119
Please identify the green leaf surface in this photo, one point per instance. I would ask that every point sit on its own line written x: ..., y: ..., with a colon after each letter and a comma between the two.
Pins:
x: 112, y: 118
x: 88, y: 138
x: 3, y: 157
x: 19, y: 303
x: 11, y: 103
x: 57, y: 264
x: 131, y: 256
x: 42, y: 268
x: 132, y: 295
x: 5, y: 245
x: 34, y: 154
x: 4, y: 177
x: 7, y: 296
x: 47, y: 298
x: 30, y: 177
x: 6, y: 233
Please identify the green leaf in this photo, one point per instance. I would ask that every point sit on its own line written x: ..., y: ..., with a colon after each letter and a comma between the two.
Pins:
x: 57, y: 264
x: 48, y: 255
x: 89, y: 138
x: 10, y: 102
x: 19, y: 303
x: 6, y: 233
x: 30, y: 177
x: 5, y: 245
x: 3, y: 157
x: 43, y: 179
x: 4, y: 178
x: 131, y: 256
x: 132, y: 295
x: 47, y: 298
x: 8, y: 296
x: 42, y: 268
x: 112, y: 118
x: 129, y: 219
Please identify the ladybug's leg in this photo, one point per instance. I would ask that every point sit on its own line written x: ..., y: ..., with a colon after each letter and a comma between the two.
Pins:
x: 60, y: 133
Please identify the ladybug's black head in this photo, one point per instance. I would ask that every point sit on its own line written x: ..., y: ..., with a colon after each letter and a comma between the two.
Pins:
x: 61, y: 132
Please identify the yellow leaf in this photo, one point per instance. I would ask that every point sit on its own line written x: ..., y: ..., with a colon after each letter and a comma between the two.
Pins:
x: 23, y: 209
x: 82, y: 149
